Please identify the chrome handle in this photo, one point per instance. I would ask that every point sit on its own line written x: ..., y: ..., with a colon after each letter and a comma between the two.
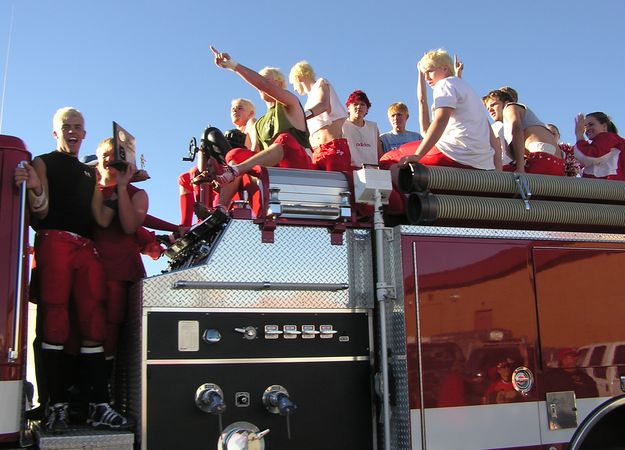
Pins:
x: 247, y: 332
x: 13, y: 352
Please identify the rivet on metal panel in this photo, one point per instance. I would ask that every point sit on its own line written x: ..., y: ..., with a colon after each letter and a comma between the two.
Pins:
x: 389, y: 234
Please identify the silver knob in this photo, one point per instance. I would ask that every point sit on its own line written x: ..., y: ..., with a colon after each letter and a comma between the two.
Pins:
x: 211, y: 336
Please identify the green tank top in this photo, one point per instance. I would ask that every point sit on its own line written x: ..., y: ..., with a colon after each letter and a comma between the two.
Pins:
x: 275, y: 122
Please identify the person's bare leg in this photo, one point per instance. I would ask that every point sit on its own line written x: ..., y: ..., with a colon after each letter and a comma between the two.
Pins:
x: 227, y: 192
x: 268, y: 158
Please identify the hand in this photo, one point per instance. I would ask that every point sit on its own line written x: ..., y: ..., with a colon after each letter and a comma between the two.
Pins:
x: 408, y: 159
x: 224, y: 60
x: 29, y: 175
x: 140, y: 175
x: 123, y: 178
x: 458, y: 66
x: 579, y: 126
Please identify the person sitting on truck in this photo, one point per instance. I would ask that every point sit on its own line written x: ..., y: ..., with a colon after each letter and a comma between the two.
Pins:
x: 528, y: 141
x: 281, y: 135
x: 325, y: 115
x: 242, y: 113
x: 65, y: 204
x: 458, y: 134
x: 398, y: 135
x: 604, y: 155
x: 572, y: 167
x: 362, y: 135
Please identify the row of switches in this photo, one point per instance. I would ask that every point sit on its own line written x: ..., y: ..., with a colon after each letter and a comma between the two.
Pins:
x: 291, y: 332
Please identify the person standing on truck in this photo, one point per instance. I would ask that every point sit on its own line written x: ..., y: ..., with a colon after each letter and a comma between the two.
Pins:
x: 281, y: 135
x: 118, y: 244
x: 325, y: 115
x: 65, y: 206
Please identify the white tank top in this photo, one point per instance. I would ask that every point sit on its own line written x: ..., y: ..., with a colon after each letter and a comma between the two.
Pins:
x: 363, y: 142
x: 324, y: 119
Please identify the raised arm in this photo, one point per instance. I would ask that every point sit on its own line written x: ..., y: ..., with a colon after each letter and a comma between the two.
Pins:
x: 225, y: 61
x: 424, y: 108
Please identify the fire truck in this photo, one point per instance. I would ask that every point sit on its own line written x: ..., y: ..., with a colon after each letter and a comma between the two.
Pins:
x: 310, y: 318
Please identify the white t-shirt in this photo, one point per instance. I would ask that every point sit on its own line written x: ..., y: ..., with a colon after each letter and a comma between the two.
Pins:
x: 498, y: 131
x: 466, y: 138
x: 363, y: 142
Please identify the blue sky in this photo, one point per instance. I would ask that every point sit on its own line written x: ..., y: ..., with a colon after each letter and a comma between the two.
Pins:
x: 147, y: 65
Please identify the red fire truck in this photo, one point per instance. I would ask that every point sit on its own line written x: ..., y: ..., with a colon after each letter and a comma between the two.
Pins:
x: 317, y: 322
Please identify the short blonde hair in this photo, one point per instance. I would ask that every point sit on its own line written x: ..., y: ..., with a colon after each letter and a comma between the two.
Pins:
x: 301, y: 71
x: 104, y: 145
x: 397, y: 107
x: 274, y: 73
x: 245, y: 102
x: 62, y: 114
x: 437, y: 58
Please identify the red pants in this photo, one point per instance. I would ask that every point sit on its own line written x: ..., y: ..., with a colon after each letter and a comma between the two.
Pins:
x: 333, y: 156
x: 69, y: 267
x: 541, y: 163
x: 116, y: 304
x: 294, y: 155
x: 397, y: 201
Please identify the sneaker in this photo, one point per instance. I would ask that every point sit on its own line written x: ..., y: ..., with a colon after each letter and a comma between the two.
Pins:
x: 56, y: 420
x: 221, y: 173
x: 101, y: 415
x: 227, y: 176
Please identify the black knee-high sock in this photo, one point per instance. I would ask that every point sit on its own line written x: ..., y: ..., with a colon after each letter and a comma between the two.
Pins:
x: 52, y: 359
x: 93, y: 367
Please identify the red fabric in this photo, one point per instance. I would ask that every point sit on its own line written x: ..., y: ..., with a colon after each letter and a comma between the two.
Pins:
x: 333, y: 156
x: 397, y: 201
x: 544, y: 163
x: 120, y: 252
x: 541, y: 163
x: 601, y: 145
x: 69, y: 267
x: 295, y: 156
x: 116, y: 301
x: 432, y: 158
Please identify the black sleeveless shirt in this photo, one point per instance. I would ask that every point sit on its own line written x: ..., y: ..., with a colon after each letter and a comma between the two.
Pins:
x: 70, y: 186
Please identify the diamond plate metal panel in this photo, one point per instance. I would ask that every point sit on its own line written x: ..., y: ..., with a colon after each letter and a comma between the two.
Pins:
x: 128, y: 385
x: 298, y: 255
x: 85, y: 437
x: 396, y: 326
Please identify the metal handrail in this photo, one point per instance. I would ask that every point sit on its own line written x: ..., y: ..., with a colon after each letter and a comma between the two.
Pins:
x: 13, y: 353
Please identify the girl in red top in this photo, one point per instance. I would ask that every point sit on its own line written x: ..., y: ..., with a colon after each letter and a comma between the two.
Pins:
x: 118, y: 245
x: 604, y: 155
